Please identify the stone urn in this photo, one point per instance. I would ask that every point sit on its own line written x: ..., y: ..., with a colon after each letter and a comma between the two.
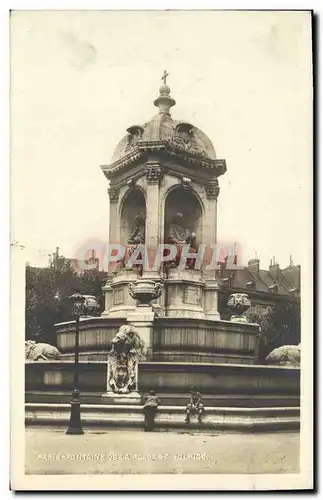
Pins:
x: 145, y: 291
x: 239, y: 303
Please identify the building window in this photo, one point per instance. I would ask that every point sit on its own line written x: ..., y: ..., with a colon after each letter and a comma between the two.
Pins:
x: 258, y: 309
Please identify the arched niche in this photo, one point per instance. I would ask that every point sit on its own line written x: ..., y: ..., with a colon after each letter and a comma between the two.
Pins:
x: 134, y: 204
x: 186, y: 202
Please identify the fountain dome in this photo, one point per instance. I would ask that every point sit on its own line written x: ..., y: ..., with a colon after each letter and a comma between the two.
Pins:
x: 176, y: 134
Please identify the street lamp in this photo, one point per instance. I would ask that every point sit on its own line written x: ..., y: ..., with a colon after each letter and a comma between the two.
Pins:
x: 78, y: 309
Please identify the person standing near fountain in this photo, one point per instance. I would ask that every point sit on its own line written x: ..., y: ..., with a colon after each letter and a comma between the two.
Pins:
x: 194, y: 406
x: 151, y: 403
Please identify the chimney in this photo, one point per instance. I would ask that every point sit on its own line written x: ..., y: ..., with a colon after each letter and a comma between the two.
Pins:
x: 274, y: 268
x: 253, y: 266
x: 292, y: 274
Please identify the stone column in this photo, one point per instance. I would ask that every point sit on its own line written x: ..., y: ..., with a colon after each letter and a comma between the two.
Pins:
x: 113, y: 193
x: 211, y: 291
x: 108, y: 297
x: 210, y: 239
x: 153, y: 175
x: 210, y: 222
x: 113, y: 216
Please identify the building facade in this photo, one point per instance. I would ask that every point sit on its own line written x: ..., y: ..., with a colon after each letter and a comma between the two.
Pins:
x: 265, y: 288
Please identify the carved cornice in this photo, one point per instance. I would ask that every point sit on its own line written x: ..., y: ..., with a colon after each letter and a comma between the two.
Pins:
x: 213, y: 190
x: 113, y: 193
x: 139, y: 150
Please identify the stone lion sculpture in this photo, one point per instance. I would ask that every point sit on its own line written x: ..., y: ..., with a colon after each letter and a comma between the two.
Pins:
x: 40, y: 351
x: 285, y: 355
x: 127, y: 348
x: 127, y: 341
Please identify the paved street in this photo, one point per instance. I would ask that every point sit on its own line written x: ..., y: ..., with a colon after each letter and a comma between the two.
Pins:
x: 51, y: 451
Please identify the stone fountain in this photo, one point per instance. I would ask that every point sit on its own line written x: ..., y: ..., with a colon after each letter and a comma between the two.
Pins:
x: 164, y: 189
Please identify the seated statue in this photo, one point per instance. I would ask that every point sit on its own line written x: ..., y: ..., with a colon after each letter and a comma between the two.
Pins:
x: 179, y: 235
x: 137, y: 237
x: 40, y: 351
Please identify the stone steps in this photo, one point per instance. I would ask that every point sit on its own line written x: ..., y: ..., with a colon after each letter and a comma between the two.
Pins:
x: 168, y: 417
x: 231, y: 400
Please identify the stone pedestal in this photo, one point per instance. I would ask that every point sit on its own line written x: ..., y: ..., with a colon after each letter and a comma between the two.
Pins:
x: 211, y: 300
x: 185, y: 290
x: 142, y: 319
x: 108, y: 297
x: 117, y: 294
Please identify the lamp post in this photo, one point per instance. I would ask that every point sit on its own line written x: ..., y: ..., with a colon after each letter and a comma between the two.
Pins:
x: 78, y: 309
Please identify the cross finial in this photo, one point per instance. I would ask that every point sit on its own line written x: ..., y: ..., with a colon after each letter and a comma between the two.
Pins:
x: 164, y: 77
x: 164, y: 101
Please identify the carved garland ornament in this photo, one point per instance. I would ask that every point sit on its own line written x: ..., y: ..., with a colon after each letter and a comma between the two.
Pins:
x: 213, y: 190
x: 153, y: 174
x: 186, y: 183
x: 178, y: 142
x: 113, y: 194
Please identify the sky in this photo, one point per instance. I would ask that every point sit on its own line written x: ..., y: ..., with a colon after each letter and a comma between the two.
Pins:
x: 79, y: 79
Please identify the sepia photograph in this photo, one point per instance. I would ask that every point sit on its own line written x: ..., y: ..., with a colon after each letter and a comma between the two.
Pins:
x: 161, y: 249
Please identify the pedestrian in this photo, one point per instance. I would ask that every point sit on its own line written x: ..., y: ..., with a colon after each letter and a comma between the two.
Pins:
x: 194, y: 406
x: 151, y: 403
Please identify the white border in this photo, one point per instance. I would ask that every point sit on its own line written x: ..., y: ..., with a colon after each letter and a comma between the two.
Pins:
x: 92, y: 482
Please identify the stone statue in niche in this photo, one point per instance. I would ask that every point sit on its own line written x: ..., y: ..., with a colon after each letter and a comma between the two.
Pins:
x: 179, y: 235
x: 127, y: 348
x: 137, y: 236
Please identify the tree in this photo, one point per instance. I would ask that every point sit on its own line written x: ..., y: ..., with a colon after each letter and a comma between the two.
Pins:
x: 47, y: 290
x: 279, y: 326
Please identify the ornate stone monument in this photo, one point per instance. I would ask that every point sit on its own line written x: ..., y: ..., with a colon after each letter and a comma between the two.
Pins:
x: 127, y: 348
x: 145, y: 291
x: 166, y: 171
x: 239, y: 303
x: 161, y: 328
x: 163, y: 190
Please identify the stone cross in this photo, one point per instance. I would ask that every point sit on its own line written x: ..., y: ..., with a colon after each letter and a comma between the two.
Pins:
x: 165, y: 75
